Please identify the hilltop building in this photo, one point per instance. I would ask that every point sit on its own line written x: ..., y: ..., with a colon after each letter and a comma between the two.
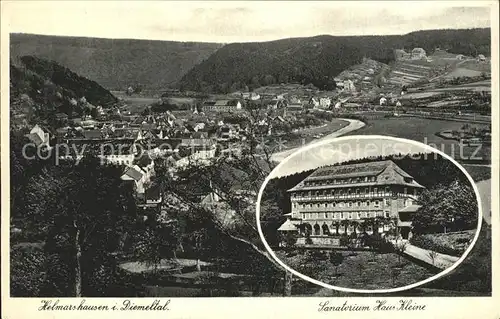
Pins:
x: 418, y: 54
x: 401, y: 54
x: 349, y: 86
x: 337, y: 199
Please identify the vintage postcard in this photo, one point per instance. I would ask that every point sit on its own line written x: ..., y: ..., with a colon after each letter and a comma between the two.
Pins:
x: 223, y: 159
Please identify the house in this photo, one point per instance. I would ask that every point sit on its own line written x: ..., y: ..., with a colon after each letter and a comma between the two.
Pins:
x: 383, y: 101
x: 152, y: 195
x: 294, y: 100
x: 460, y: 57
x: 401, y: 54
x: 137, y: 176
x: 418, y: 54
x: 127, y: 133
x: 199, y: 126
x: 201, y: 156
x: 349, y: 86
x: 275, y: 104
x: 331, y: 199
x: 38, y: 136
x: 145, y: 163
x: 398, y: 103
x: 481, y: 58
x: 313, y: 102
x: 295, y: 107
x: 63, y: 117
x: 222, y: 106
x: 325, y: 102
x: 252, y: 96
x: 93, y: 134
x: 118, y: 152
x: 227, y: 132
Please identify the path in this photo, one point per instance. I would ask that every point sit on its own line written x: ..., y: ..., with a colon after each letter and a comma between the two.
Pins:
x: 441, y: 261
x: 352, y: 126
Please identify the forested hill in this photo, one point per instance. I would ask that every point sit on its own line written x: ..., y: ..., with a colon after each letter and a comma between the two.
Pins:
x: 117, y: 63
x: 319, y: 59
x: 42, y: 88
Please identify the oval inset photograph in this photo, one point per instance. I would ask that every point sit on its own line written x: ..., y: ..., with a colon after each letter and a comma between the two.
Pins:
x: 369, y: 214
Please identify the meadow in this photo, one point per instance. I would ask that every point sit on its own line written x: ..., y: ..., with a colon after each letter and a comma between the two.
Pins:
x: 359, y: 269
x: 424, y: 131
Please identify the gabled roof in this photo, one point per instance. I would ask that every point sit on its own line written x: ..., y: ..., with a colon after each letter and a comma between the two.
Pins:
x: 410, y: 209
x: 351, y: 170
x: 153, y: 193
x: 287, y: 226
x: 133, y: 172
x: 92, y: 134
x: 367, y: 169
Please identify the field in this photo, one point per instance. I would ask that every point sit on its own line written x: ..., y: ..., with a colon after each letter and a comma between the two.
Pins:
x: 473, y: 65
x: 424, y: 130
x: 135, y: 103
x: 459, y: 72
x: 360, y: 270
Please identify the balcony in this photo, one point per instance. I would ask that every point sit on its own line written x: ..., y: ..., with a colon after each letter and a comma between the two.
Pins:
x: 313, y: 198
x: 298, y: 210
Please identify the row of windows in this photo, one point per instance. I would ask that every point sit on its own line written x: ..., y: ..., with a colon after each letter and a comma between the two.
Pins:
x: 121, y: 162
x: 341, y: 204
x: 316, y: 230
x: 365, y: 179
x: 349, y: 191
x: 367, y: 203
x: 344, y: 215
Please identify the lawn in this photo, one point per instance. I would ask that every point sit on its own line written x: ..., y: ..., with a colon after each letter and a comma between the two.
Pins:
x: 360, y: 270
x: 453, y: 243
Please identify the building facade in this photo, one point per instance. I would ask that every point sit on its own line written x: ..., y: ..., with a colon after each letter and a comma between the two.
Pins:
x: 346, y: 199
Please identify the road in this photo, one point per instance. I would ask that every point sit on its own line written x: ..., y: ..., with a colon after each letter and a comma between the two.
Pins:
x: 352, y: 126
x: 484, y: 188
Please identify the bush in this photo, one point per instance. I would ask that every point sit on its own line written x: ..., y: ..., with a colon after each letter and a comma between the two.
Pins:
x: 425, y: 242
x: 27, y: 272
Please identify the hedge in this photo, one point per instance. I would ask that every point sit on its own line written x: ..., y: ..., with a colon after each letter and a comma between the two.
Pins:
x: 425, y: 242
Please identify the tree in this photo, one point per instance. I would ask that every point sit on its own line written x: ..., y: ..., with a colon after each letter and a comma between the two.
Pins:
x: 235, y: 180
x: 290, y: 239
x: 445, y: 206
x: 84, y: 208
x: 336, y: 259
x: 157, y: 238
x: 400, y: 248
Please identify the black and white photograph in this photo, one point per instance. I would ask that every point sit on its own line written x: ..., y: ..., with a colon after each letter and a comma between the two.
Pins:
x: 370, y: 213
x: 158, y: 150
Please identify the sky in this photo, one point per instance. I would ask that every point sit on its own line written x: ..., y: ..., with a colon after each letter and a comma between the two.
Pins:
x: 228, y: 21
x: 342, y: 150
